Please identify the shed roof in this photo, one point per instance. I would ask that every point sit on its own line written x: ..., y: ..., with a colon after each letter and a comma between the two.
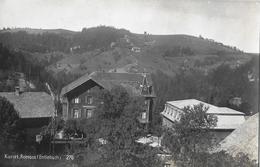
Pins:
x: 31, y: 104
x: 132, y: 82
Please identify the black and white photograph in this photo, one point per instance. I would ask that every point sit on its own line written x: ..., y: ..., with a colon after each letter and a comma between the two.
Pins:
x: 129, y: 83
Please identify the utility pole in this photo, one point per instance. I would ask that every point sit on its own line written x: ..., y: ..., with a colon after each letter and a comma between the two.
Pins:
x: 54, y: 115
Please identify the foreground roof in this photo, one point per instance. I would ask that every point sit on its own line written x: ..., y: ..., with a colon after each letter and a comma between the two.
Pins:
x: 132, y: 82
x: 227, y: 118
x: 31, y: 104
x: 243, y: 139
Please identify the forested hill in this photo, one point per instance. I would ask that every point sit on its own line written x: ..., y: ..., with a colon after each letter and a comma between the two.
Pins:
x: 41, y: 40
x: 107, y: 48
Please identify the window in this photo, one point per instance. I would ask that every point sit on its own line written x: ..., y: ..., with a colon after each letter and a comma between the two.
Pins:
x: 169, y: 110
x: 174, y: 114
x: 143, y: 115
x: 76, y: 113
x: 89, y: 99
x: 178, y: 117
x: 89, y: 113
x: 146, y: 105
x: 76, y: 100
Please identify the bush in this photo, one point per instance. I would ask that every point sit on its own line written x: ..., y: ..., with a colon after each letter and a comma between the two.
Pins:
x: 222, y: 159
x: 11, y: 134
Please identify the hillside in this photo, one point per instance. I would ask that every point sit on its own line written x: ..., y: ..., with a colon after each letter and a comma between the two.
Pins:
x: 166, y: 53
x: 110, y: 49
x: 196, y: 45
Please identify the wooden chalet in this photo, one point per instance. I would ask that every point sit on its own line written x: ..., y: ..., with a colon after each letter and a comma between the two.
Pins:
x: 79, y: 99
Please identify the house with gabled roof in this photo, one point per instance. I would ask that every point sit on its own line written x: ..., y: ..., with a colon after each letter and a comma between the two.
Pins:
x: 35, y: 109
x: 79, y: 101
x: 227, y: 119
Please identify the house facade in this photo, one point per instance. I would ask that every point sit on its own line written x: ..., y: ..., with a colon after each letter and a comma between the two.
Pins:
x: 79, y: 98
x: 227, y: 119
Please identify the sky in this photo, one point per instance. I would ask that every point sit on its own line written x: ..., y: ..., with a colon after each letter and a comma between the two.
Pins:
x: 232, y: 22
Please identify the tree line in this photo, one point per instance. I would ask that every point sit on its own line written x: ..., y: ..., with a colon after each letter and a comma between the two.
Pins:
x: 45, y: 42
x: 87, y: 39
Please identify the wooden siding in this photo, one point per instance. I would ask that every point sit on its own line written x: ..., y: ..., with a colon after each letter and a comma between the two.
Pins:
x: 91, y: 88
x: 82, y: 106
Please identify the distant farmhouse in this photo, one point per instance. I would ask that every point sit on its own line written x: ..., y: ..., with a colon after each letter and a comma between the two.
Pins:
x: 78, y: 98
x: 228, y: 119
x: 34, y: 108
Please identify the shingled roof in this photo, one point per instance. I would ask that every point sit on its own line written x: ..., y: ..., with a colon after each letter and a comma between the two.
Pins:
x: 243, y: 139
x: 31, y: 104
x: 132, y: 82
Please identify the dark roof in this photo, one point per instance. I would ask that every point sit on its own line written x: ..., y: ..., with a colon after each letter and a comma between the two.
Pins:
x: 132, y: 82
x: 31, y: 104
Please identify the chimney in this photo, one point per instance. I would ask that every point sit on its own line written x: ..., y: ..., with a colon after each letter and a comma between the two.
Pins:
x: 17, y: 90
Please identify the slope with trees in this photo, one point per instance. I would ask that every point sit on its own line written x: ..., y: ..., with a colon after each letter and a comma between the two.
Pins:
x: 217, y: 87
x: 35, y: 72
x: 164, y: 52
